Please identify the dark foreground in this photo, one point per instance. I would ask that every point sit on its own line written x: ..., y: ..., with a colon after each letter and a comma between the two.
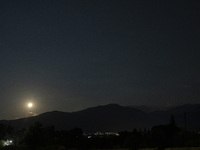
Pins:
x: 39, y: 137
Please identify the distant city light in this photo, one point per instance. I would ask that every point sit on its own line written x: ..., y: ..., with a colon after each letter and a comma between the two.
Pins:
x: 7, y: 142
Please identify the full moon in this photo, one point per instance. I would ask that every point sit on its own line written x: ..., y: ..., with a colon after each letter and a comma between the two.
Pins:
x: 30, y: 105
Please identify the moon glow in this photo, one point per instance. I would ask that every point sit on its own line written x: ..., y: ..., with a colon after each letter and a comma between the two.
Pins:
x: 30, y: 105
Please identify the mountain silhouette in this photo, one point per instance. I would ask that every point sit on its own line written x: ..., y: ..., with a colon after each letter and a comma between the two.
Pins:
x: 113, y: 117
x: 187, y: 114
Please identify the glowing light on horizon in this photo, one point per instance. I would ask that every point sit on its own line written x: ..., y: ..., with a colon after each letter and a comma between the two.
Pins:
x: 30, y: 105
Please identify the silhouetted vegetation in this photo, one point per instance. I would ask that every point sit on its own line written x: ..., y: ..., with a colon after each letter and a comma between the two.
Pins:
x: 38, y: 136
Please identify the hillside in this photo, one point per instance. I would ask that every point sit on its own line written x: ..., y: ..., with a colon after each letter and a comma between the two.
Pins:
x: 112, y: 117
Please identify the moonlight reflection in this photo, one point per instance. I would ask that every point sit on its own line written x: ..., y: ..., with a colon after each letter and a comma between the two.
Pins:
x: 30, y: 107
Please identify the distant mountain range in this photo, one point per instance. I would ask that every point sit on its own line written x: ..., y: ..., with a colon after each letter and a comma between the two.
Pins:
x: 113, y: 117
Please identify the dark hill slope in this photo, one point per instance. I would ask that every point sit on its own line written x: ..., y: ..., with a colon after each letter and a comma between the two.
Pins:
x: 113, y: 117
x: 101, y: 118
x: 188, y: 112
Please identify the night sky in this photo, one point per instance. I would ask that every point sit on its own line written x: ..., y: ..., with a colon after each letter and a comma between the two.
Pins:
x: 69, y: 55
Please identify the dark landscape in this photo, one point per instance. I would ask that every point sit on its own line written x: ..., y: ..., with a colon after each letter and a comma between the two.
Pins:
x: 113, y: 117
x: 105, y: 127
x: 100, y: 74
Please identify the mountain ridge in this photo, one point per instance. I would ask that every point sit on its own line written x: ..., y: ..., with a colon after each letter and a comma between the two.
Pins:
x: 112, y: 117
